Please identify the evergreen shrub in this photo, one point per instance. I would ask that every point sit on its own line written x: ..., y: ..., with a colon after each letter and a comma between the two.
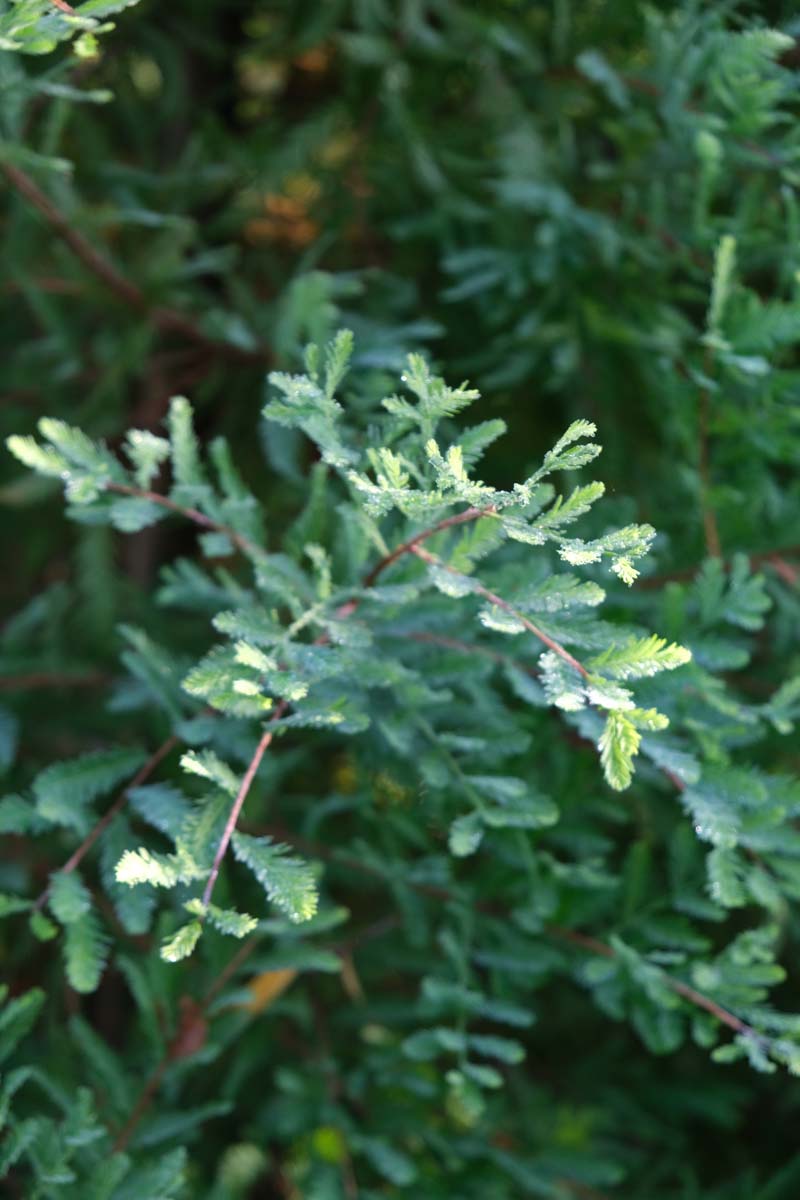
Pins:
x: 391, y: 806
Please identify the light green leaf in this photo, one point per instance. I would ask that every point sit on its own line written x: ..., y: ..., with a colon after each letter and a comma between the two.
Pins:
x: 182, y: 942
x: 619, y: 745
x: 288, y: 882
x: 640, y: 657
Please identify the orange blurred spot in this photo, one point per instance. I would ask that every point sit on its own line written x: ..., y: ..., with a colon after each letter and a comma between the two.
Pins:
x: 266, y: 987
x: 293, y: 233
x: 350, y: 981
x: 287, y: 214
x: 284, y: 206
x: 314, y: 60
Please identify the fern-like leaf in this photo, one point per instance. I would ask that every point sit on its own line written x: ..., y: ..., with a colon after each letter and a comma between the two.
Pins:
x: 288, y: 882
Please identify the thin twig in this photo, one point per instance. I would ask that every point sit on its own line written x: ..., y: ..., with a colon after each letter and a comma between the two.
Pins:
x: 139, y: 778
x: 142, y: 1104
x: 499, y: 602
x: 230, y: 969
x: 787, y: 572
x: 723, y: 1015
x: 189, y: 1038
x: 169, y: 320
x: 191, y: 514
x: 344, y: 611
x: 470, y: 514
x: 241, y: 796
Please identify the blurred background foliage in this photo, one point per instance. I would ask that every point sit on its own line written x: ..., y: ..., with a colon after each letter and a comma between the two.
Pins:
x: 534, y: 193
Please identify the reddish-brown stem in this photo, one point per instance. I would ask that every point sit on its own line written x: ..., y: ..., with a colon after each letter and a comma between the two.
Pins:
x: 44, y: 283
x: 62, y: 4
x: 414, y: 546
x: 142, y: 1104
x: 470, y: 514
x: 787, y: 572
x: 229, y: 970
x: 722, y: 1014
x: 676, y: 985
x: 83, y: 249
x: 167, y: 319
x: 236, y: 807
x: 506, y: 660
x: 144, y: 773
x: 499, y: 602
x: 191, y: 514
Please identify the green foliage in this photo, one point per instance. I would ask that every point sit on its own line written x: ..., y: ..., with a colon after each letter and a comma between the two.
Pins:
x: 287, y: 881
x: 393, y: 807
x: 37, y: 26
x: 63, y: 791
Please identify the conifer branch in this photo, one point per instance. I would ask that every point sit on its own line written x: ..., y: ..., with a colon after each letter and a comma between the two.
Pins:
x: 191, y: 514
x: 144, y: 773
x: 236, y: 807
x: 509, y: 661
x: 493, y: 598
x: 469, y: 514
x: 414, y: 546
x: 343, y: 612
x: 698, y: 999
